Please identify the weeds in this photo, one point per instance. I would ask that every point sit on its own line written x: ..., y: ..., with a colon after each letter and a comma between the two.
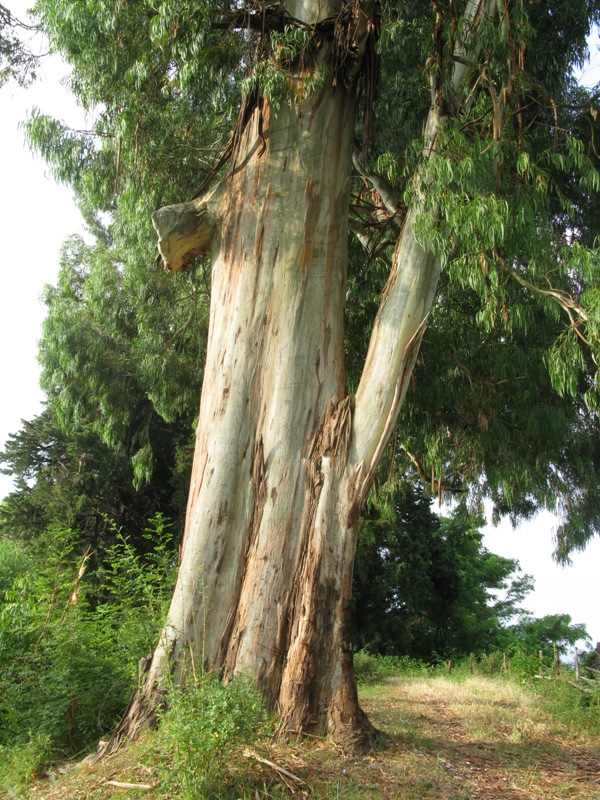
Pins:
x: 204, y: 723
x: 22, y: 763
x: 68, y: 663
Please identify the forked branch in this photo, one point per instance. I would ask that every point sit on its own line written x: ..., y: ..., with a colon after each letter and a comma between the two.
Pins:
x: 566, y: 301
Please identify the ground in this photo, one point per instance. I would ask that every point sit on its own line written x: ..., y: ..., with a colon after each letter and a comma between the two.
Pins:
x: 480, y: 738
x: 473, y: 739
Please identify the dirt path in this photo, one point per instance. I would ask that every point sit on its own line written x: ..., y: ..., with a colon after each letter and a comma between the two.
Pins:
x: 480, y: 739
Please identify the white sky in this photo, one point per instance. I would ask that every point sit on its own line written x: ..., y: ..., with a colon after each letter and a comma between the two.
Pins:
x: 35, y: 217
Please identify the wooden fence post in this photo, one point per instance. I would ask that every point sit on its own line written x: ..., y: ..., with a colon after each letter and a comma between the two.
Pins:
x: 556, y: 660
x: 541, y: 656
x: 577, y: 665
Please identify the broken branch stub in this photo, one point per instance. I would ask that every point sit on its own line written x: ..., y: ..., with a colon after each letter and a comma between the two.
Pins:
x: 184, y: 231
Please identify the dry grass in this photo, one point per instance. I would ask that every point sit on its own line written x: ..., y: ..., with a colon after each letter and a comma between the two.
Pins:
x: 478, y: 739
x: 490, y: 738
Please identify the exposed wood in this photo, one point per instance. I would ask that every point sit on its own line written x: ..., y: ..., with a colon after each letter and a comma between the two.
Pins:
x: 389, y: 196
x: 123, y: 785
x: 186, y: 230
x: 272, y: 765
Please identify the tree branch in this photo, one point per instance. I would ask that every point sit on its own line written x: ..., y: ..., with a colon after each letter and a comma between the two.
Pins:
x: 374, y: 245
x: 407, y: 298
x: 565, y: 300
x: 389, y: 196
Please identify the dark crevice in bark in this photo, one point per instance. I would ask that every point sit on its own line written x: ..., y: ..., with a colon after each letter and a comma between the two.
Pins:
x: 319, y: 691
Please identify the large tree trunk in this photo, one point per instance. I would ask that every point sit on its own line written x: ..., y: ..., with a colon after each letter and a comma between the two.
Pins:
x: 284, y: 457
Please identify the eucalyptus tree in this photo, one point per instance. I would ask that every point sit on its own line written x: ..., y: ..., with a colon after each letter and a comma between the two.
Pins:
x: 17, y: 61
x: 472, y: 198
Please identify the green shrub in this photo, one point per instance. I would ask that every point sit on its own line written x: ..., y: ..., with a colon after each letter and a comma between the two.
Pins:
x: 69, y: 651
x: 573, y: 706
x: 21, y: 763
x: 14, y: 563
x: 204, y: 723
x: 371, y: 668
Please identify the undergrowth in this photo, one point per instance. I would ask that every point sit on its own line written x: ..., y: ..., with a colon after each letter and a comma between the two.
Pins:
x: 70, y: 645
x: 68, y: 666
x: 453, y: 737
x: 205, y: 722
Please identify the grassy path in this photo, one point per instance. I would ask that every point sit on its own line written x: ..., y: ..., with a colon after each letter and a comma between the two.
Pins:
x: 477, y: 739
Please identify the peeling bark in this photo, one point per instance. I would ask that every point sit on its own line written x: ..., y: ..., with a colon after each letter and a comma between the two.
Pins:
x: 284, y: 458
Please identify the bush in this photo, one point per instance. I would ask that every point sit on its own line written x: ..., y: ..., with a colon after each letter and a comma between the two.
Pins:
x: 68, y: 665
x: 371, y: 668
x: 571, y: 705
x: 203, y: 724
x: 20, y: 764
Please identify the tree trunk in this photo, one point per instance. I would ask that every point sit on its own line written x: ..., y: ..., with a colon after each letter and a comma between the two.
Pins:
x: 284, y: 457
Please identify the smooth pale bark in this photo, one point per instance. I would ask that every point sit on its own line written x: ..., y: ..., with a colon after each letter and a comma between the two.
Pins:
x: 266, y: 565
x: 284, y: 458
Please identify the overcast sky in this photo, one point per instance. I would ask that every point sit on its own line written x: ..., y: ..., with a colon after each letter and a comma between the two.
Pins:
x: 35, y: 217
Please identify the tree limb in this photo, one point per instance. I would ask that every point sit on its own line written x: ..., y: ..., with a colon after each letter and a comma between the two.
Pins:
x: 565, y: 300
x: 374, y: 245
x: 389, y: 196
x: 407, y: 298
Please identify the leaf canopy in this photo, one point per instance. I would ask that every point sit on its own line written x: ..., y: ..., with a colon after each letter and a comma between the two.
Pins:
x: 504, y: 400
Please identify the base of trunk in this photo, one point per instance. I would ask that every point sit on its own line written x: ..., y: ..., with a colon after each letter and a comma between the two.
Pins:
x: 345, y: 723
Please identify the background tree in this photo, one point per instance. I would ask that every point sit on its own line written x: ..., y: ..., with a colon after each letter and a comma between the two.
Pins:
x: 545, y: 632
x: 17, y: 61
x: 426, y: 587
x: 101, y: 455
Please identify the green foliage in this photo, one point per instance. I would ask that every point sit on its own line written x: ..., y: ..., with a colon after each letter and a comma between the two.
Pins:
x: 68, y: 657
x: 99, y: 363
x: 373, y: 668
x: 289, y: 72
x: 504, y: 394
x: 69, y: 477
x: 204, y: 723
x: 485, y: 397
x: 142, y: 582
x: 121, y: 370
x: 22, y: 763
x: 425, y: 587
x: 545, y: 632
x: 163, y: 87
x: 568, y: 703
x: 14, y: 563
x: 17, y: 62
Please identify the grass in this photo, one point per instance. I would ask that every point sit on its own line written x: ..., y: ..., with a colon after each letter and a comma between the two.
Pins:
x: 475, y: 738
